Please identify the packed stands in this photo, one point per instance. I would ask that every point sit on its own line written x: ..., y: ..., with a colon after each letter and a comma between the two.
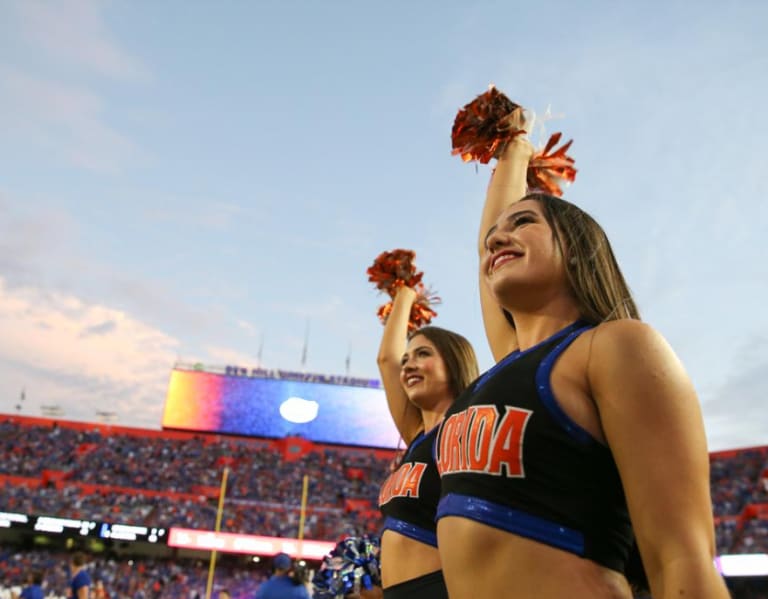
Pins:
x: 271, y: 520
x: 129, y: 468
x: 186, y: 463
x: 739, y: 487
x: 171, y: 479
x: 138, y: 578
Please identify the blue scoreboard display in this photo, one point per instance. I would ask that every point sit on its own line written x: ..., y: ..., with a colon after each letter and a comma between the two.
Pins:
x: 263, y: 407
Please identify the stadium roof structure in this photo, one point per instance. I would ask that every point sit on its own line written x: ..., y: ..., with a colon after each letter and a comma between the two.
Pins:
x: 280, y: 374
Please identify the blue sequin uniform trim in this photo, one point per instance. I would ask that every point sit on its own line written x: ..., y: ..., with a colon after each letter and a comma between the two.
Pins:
x: 411, y: 531
x: 544, y: 389
x: 511, y: 520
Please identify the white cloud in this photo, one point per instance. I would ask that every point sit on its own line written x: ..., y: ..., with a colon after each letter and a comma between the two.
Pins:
x: 42, y: 107
x: 76, y: 32
x: 83, y: 355
x: 47, y: 249
x: 246, y: 326
x: 734, y: 411
x: 222, y: 356
x: 67, y: 120
x: 29, y: 242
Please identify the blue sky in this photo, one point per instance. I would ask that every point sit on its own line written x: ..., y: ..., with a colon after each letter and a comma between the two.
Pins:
x: 184, y: 180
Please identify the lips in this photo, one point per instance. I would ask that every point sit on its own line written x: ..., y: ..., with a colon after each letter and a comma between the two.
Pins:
x: 503, y: 257
x: 413, y: 379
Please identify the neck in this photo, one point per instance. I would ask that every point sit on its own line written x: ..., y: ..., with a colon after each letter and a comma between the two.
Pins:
x: 544, y: 314
x: 432, y: 418
x: 532, y: 329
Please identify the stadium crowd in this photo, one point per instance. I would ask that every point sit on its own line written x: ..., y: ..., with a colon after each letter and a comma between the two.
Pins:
x: 171, y: 481
x: 137, y: 578
x: 737, y: 480
x: 257, y: 470
x: 258, y: 518
x: 264, y: 489
x: 263, y: 493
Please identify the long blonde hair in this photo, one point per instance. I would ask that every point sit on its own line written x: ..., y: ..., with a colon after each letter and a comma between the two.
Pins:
x: 591, y: 268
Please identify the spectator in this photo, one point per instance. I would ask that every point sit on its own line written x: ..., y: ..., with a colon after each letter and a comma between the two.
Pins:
x: 81, y: 580
x: 281, y: 584
x: 34, y: 588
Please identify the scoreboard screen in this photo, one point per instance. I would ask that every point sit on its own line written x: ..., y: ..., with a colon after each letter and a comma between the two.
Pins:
x: 55, y: 525
x: 261, y: 407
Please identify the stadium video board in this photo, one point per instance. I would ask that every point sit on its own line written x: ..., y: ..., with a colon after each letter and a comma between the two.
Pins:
x: 56, y: 525
x: 261, y: 407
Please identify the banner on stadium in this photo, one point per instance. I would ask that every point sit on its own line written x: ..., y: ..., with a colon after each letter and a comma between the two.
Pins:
x: 228, y: 542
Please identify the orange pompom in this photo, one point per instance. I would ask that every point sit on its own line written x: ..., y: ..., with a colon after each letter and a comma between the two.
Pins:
x: 421, y: 311
x: 384, y: 312
x: 547, y: 169
x: 482, y: 129
x: 394, y: 269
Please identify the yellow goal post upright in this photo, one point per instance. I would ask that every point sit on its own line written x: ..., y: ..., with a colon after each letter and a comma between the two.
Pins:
x: 219, y: 512
x: 303, y: 514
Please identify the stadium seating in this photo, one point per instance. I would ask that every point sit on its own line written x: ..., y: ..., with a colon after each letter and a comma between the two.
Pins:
x: 168, y: 478
x: 739, y: 500
x: 175, y: 481
x: 138, y: 578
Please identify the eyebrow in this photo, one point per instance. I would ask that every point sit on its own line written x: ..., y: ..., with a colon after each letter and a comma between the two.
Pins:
x: 414, y: 350
x: 509, y: 218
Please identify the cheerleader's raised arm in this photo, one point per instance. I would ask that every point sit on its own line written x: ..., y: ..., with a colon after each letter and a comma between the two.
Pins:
x: 406, y: 416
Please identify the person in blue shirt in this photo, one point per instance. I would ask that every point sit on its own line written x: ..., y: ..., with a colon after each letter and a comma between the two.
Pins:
x: 80, y: 586
x: 34, y: 589
x: 281, y: 584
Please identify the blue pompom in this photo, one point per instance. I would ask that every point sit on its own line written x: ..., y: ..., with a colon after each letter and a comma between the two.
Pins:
x: 353, y: 563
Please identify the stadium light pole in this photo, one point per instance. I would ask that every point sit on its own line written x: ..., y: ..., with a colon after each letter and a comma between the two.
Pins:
x: 212, y: 564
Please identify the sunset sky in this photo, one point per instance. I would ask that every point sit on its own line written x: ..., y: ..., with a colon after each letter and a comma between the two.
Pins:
x: 193, y: 181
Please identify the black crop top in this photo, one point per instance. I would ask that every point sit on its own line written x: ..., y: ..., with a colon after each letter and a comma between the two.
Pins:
x: 408, y: 498
x: 510, y: 457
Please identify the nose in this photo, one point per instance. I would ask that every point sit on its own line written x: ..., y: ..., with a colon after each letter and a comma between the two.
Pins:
x: 496, y: 240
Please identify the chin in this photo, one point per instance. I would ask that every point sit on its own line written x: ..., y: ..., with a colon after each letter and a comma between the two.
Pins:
x: 418, y: 399
x: 505, y: 290
x: 414, y: 399
x: 502, y: 292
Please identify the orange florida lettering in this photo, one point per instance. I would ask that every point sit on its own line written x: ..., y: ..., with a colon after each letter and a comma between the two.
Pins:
x: 478, y: 440
x: 404, y: 482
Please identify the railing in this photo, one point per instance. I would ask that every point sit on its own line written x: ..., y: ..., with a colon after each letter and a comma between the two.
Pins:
x: 279, y: 374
